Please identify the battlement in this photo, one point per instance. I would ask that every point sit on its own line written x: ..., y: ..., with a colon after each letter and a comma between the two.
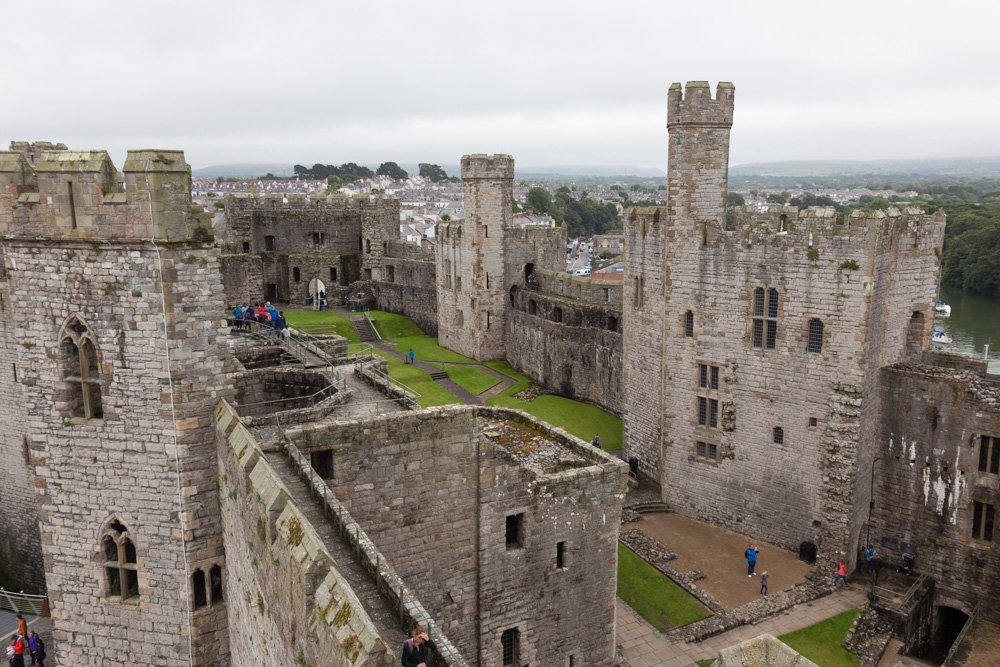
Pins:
x: 32, y: 151
x: 487, y: 166
x: 80, y: 194
x: 246, y: 202
x: 695, y: 105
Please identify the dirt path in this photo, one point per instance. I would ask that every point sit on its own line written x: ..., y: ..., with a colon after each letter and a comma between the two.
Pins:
x: 719, y: 554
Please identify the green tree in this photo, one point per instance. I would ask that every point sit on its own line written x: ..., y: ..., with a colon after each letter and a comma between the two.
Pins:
x: 775, y: 198
x: 538, y: 200
x: 219, y: 204
x: 445, y: 217
x: 433, y: 172
x: 734, y: 199
x: 392, y: 170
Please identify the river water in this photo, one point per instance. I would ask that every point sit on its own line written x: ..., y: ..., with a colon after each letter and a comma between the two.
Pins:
x: 974, y: 322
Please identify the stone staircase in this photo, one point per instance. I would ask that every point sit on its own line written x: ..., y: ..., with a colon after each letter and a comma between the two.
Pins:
x: 361, y: 328
x: 437, y: 376
x: 651, y: 508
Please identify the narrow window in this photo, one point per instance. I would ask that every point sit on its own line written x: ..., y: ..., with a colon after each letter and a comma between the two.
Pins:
x: 612, y: 323
x: 459, y: 318
x: 757, y: 339
x: 532, y: 308
x: 458, y: 283
x: 72, y: 204
x: 982, y: 521
x: 560, y: 555
x: 215, y: 580
x: 812, y: 422
x: 713, y: 452
x: 317, y: 238
x: 515, y: 528
x: 702, y: 449
x: 989, y: 454
x: 715, y: 377
x: 487, y: 320
x: 702, y: 411
x: 689, y: 324
x: 361, y: 244
x: 486, y: 231
x: 200, y: 592
x: 268, y: 243
x: 487, y: 281
x: 557, y: 314
x: 368, y: 246
x: 368, y: 274
x: 390, y: 274
x: 815, y: 340
x: 713, y: 413
x: 509, y: 642
x: 296, y: 274
x: 638, y: 298
x: 779, y: 435
x: 703, y: 373
x: 333, y: 274
x: 246, y: 247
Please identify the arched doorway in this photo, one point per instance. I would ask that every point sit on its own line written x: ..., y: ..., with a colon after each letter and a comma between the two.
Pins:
x: 528, y: 270
x: 513, y: 296
x: 315, y: 287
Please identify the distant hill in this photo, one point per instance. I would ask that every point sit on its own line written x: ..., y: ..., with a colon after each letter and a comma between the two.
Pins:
x: 898, y: 169
x: 243, y: 170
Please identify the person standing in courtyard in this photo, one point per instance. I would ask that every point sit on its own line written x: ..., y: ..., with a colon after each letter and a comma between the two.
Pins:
x: 411, y: 356
x: 22, y: 627
x: 876, y: 568
x: 841, y: 574
x: 751, y: 556
x: 870, y: 556
x: 763, y: 583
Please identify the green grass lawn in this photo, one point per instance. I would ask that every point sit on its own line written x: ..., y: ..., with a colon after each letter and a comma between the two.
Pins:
x: 431, y: 393
x: 581, y: 419
x: 706, y: 663
x: 821, y: 642
x: 314, y: 320
x: 406, y: 335
x: 653, y: 596
x: 469, y: 378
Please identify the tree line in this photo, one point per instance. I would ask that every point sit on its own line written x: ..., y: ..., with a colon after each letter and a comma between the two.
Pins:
x: 582, y: 215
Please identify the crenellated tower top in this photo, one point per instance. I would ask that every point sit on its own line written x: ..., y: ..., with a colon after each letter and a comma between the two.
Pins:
x: 695, y: 105
x: 487, y: 166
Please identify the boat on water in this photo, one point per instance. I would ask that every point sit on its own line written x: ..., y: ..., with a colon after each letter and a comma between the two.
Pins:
x: 942, y: 309
x: 941, y: 338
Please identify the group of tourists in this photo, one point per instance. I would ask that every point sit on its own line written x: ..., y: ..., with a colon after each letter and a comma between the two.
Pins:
x: 262, y: 315
x: 25, y: 642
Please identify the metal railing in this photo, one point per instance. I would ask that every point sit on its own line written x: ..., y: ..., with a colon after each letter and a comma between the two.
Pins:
x: 887, y: 595
x: 22, y: 603
x: 408, y: 396
x: 961, y: 637
x: 371, y: 325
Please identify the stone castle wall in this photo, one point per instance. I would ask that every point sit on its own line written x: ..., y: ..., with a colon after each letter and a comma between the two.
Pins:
x: 928, y: 480
x: 408, y: 288
x: 144, y: 458
x: 283, y: 589
x: 441, y: 520
x: 574, y: 348
x: 781, y: 428
x: 470, y: 269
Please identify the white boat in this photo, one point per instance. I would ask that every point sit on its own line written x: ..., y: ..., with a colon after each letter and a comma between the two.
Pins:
x: 940, y: 338
x: 942, y: 309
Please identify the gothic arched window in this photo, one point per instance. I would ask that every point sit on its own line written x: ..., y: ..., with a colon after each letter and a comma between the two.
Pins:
x: 121, y: 567
x: 78, y: 348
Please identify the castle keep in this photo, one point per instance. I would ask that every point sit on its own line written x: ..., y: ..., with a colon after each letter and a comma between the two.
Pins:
x: 206, y: 496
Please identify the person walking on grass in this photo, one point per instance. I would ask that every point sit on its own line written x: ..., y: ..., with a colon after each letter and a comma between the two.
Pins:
x: 841, y: 574
x: 411, y: 356
x: 763, y: 583
x: 751, y: 556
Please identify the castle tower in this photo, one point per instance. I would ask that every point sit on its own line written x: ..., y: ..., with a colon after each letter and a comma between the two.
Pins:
x: 762, y: 340
x: 116, y: 294
x: 471, y: 289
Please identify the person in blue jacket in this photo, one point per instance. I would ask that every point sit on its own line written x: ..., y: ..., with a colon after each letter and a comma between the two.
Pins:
x: 751, y: 554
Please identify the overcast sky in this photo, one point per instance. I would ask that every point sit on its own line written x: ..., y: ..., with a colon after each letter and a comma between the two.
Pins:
x: 552, y: 83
